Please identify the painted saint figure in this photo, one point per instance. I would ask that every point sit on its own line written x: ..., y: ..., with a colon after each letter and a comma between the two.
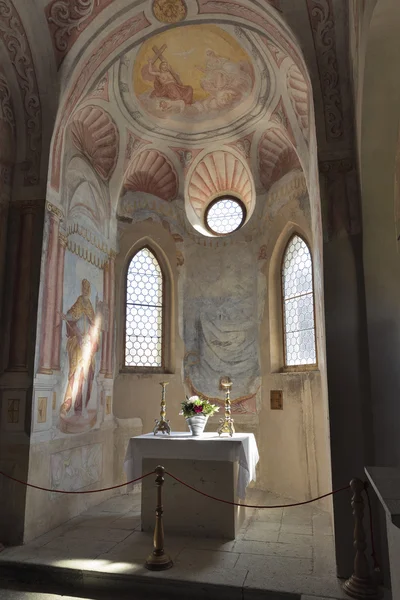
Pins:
x: 83, y: 332
x: 167, y: 83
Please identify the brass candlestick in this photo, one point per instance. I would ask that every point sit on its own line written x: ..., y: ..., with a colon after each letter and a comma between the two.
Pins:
x: 226, y: 424
x: 162, y: 424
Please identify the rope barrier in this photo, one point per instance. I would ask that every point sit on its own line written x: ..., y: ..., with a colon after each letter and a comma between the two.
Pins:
x: 107, y: 489
x: 114, y: 487
x: 253, y: 505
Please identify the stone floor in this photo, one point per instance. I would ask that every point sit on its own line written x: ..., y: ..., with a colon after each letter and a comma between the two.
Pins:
x: 282, y: 550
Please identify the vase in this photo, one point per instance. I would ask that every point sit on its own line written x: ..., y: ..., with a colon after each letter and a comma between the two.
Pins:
x: 197, y: 424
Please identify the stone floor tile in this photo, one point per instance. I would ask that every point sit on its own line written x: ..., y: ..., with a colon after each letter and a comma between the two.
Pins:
x: 138, y: 545
x: 209, y: 544
x: 322, y: 524
x: 327, y: 587
x: 118, y: 504
x: 274, y: 549
x: 296, y: 529
x: 302, y: 520
x: 97, y: 533
x: 270, y: 516
x: 324, y: 557
x: 258, y: 532
x: 298, y: 540
x: 89, y: 545
x: 262, y: 569
x: 104, y: 520
x: 128, y: 523
x: 303, y: 510
x: 197, y: 559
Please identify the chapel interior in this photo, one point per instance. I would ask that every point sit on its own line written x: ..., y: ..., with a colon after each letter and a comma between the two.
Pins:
x: 192, y: 190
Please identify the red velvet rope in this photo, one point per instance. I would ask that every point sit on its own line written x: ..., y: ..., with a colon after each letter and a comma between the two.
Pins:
x: 253, y: 505
x: 113, y: 487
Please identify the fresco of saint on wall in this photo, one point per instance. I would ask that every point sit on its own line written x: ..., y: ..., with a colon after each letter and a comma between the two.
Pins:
x: 83, y: 330
x: 191, y: 73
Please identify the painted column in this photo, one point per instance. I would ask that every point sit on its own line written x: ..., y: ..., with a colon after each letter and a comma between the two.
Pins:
x: 110, y: 345
x: 49, y: 292
x: 18, y: 356
x: 106, y: 332
x: 62, y: 244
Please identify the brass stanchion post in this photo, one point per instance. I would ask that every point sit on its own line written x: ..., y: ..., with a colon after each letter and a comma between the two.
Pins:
x: 158, y: 560
x: 360, y: 585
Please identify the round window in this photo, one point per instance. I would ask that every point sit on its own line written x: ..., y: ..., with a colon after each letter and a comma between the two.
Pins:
x: 225, y: 215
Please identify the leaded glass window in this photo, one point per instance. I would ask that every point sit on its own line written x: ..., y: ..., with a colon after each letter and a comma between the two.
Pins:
x: 225, y: 215
x: 298, y: 304
x: 144, y: 311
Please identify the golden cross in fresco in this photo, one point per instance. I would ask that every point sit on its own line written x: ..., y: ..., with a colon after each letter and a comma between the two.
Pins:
x: 158, y: 53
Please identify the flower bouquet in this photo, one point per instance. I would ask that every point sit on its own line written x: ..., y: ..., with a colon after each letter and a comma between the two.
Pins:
x: 196, y: 411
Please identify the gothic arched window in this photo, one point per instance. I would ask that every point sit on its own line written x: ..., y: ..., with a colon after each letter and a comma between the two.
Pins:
x: 298, y: 304
x: 144, y: 311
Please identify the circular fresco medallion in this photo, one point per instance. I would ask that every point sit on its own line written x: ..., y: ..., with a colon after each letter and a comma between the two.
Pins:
x: 169, y: 11
x: 193, y: 74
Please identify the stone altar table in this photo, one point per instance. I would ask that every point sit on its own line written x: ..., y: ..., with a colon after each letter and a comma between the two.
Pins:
x: 219, y: 466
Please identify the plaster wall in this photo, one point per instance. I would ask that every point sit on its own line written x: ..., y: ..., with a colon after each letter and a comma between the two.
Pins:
x: 294, y: 457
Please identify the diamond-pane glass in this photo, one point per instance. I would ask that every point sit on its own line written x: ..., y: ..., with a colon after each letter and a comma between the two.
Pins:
x: 298, y: 304
x: 143, y: 326
x: 225, y: 216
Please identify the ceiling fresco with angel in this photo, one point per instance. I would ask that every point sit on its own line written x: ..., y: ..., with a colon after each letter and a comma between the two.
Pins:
x: 192, y: 74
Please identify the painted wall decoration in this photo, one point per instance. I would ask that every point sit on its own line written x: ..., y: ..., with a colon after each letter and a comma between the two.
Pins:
x: 169, y: 11
x: 100, y: 90
x: 197, y: 72
x: 221, y: 321
x: 299, y: 97
x: 95, y: 134
x: 81, y: 342
x: 277, y: 156
x: 118, y: 36
x: 220, y: 173
x: 67, y: 19
x: 76, y: 468
x: 151, y: 172
x: 13, y: 35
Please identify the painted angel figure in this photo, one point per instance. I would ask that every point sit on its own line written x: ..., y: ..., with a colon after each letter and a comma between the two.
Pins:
x: 225, y: 81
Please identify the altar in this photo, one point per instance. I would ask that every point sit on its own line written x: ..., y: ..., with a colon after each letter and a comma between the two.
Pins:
x: 219, y: 466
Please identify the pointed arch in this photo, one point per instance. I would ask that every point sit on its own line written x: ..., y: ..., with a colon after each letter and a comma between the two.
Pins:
x: 298, y: 306
x: 146, y: 288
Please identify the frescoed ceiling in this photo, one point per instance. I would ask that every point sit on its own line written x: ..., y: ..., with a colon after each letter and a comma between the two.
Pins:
x: 190, y: 98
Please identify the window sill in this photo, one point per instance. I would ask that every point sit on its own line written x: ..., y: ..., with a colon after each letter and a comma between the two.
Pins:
x: 145, y: 371
x: 301, y: 369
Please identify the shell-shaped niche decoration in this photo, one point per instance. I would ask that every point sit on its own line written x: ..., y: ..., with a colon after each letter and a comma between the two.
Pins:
x: 299, y: 97
x: 96, y: 135
x: 276, y: 156
x: 151, y: 172
x: 219, y: 173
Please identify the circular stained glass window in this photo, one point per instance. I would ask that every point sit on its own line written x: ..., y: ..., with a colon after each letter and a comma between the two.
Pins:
x: 225, y: 215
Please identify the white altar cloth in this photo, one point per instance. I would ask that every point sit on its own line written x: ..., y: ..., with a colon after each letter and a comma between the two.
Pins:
x: 241, y: 447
